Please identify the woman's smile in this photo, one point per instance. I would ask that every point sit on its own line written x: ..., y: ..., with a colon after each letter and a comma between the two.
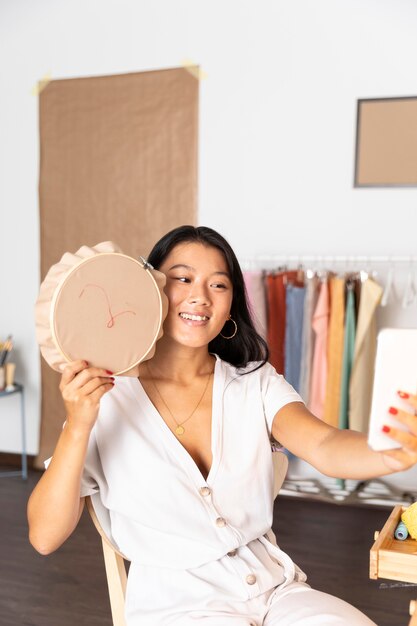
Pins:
x: 194, y: 319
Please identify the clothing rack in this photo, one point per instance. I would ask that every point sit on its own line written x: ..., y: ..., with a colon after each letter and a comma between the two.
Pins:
x: 375, y: 492
x: 249, y: 262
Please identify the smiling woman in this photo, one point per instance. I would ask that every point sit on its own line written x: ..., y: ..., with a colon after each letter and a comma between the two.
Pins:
x: 181, y: 456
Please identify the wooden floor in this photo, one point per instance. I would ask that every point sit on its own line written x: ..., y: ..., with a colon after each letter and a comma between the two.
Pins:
x: 329, y: 542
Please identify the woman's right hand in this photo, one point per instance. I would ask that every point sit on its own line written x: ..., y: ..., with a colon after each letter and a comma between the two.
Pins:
x: 82, y: 388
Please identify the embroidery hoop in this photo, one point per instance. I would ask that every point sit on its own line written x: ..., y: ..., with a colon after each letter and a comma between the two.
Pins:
x: 113, y: 324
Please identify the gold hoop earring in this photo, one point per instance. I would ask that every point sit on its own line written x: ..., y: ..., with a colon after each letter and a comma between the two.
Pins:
x: 231, y: 320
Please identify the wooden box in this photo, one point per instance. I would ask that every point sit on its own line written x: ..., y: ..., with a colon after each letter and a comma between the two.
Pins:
x: 391, y: 558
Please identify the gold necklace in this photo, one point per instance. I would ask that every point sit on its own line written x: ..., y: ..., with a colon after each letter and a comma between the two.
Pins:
x: 180, y: 430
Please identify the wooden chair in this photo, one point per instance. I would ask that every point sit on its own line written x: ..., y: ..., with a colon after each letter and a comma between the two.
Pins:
x: 413, y: 613
x: 114, y: 560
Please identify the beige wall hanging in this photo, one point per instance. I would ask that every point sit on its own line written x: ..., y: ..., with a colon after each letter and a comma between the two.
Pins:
x: 118, y: 161
x: 386, y: 142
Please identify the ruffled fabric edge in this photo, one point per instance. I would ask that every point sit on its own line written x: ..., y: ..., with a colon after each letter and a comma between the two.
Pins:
x: 53, y: 279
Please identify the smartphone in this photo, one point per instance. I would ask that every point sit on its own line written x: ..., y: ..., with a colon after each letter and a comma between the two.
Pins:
x: 395, y: 369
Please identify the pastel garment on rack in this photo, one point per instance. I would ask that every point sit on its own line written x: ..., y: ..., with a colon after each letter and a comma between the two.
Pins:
x: 294, y: 297
x: 308, y: 336
x: 335, y: 350
x: 320, y: 325
x: 174, y: 525
x: 362, y: 375
x: 255, y: 289
x: 276, y: 284
x: 348, y: 354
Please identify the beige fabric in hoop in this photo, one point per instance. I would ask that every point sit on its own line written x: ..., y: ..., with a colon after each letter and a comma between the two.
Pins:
x: 102, y: 306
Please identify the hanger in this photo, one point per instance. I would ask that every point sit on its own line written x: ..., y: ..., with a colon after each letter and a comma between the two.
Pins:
x: 278, y: 270
x: 350, y: 283
x: 410, y: 290
x: 366, y: 273
x: 389, y: 290
x: 300, y: 270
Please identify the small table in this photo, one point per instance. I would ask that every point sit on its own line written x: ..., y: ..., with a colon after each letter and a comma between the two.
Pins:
x: 17, y: 388
x: 394, y: 559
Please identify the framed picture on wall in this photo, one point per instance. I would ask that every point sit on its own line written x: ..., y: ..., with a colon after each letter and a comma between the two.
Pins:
x: 386, y: 142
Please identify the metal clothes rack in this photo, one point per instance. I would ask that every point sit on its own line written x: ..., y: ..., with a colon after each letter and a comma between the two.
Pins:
x: 246, y: 262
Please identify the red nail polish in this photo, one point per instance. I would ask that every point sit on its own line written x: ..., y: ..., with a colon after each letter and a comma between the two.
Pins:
x: 110, y: 373
x: 404, y: 395
x: 393, y: 410
x: 386, y: 429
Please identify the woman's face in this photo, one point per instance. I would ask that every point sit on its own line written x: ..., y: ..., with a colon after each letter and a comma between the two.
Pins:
x: 200, y: 293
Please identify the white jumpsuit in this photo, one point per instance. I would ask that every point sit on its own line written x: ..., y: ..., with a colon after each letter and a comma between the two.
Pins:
x: 202, y: 550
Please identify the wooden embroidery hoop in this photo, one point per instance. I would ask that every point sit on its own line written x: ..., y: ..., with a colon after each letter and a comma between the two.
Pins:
x: 102, y: 306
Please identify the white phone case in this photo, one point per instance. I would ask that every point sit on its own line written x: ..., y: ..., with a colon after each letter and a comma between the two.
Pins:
x: 395, y: 369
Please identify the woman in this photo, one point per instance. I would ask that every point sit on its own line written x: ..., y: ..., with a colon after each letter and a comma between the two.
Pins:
x: 182, y: 458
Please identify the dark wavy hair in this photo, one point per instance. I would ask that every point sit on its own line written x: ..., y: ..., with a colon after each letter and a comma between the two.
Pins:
x: 247, y: 345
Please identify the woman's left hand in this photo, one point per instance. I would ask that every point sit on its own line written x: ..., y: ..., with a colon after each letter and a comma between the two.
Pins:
x: 400, y: 459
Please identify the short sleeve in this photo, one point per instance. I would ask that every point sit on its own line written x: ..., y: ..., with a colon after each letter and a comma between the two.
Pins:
x: 89, y: 484
x: 276, y: 393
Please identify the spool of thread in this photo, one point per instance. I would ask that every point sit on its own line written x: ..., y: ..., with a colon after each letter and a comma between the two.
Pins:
x: 401, y: 532
x: 10, y: 370
x: 409, y: 517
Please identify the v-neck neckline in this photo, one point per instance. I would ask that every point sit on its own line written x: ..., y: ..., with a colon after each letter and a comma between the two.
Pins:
x: 156, y: 419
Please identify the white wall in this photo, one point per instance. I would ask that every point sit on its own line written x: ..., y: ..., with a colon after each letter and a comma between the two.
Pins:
x: 277, y: 120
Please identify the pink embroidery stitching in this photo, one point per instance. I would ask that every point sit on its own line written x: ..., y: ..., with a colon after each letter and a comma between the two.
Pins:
x: 110, y: 323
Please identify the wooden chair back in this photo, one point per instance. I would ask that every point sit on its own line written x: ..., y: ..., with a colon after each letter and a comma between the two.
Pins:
x: 413, y: 613
x: 114, y: 560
